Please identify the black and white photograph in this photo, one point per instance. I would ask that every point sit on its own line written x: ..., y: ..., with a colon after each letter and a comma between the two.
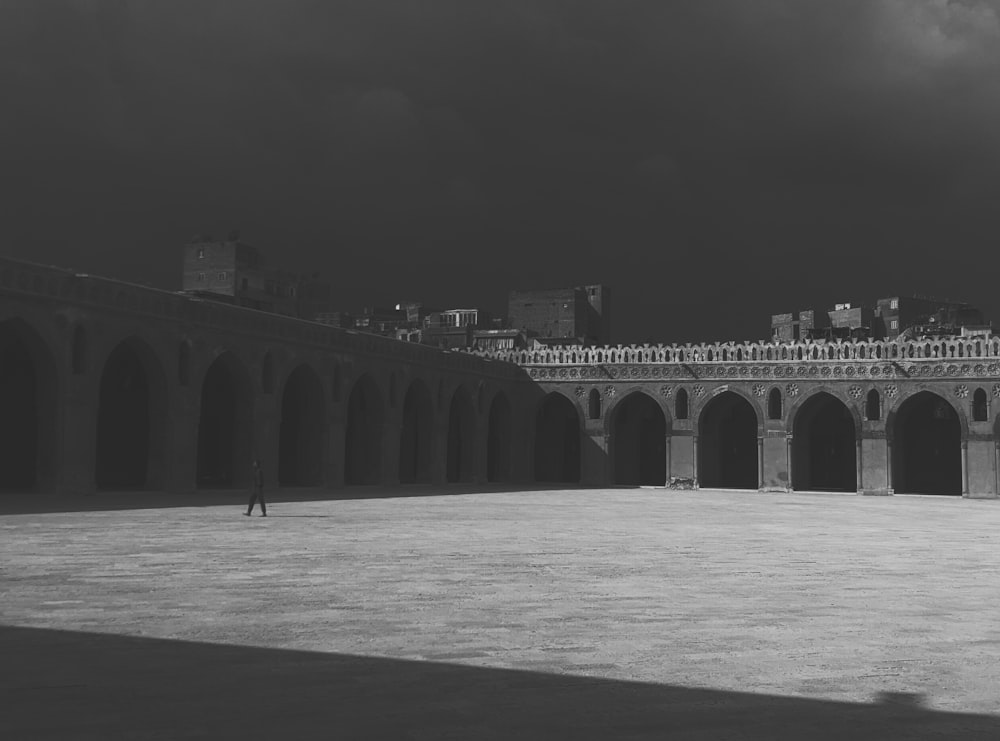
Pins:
x: 449, y: 369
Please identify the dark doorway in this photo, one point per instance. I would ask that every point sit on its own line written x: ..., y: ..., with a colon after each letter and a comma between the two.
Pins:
x: 129, y: 422
x: 727, y: 444
x: 416, y: 438
x: 461, y: 438
x: 639, y: 439
x: 301, y: 433
x: 498, y: 439
x: 363, y: 444
x: 27, y: 398
x: 926, y: 446
x: 824, y: 446
x: 225, y: 425
x: 557, y: 441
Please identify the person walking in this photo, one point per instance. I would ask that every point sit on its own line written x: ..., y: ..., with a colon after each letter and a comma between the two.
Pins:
x: 257, y: 490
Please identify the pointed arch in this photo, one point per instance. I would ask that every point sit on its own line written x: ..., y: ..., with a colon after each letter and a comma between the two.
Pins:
x: 825, y: 436
x: 131, y: 418
x: 639, y: 441
x: 926, y: 433
x: 498, y: 442
x: 774, y: 404
x: 302, y: 429
x: 225, y: 424
x: 363, y: 440
x: 727, y: 443
x: 594, y: 404
x: 28, y: 394
x: 557, y: 440
x: 461, y: 459
x: 416, y: 437
x: 980, y: 406
x: 873, y: 406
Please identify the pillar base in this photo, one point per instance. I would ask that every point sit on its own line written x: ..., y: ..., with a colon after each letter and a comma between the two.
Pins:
x: 886, y: 492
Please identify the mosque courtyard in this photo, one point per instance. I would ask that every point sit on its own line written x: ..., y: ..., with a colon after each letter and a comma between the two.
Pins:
x: 426, y: 613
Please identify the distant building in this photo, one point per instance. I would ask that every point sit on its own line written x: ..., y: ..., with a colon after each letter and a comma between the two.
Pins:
x: 890, y: 318
x: 234, y: 272
x: 567, y: 315
x: 498, y: 339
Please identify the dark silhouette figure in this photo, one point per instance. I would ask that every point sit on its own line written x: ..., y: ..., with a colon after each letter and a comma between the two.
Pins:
x: 257, y: 490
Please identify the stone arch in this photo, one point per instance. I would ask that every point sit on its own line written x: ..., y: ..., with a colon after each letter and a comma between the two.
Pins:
x: 873, y: 406
x: 638, y: 427
x: 28, y: 397
x: 460, y: 464
x: 594, y: 404
x: 416, y: 437
x: 557, y: 440
x: 363, y: 439
x: 131, y: 418
x: 825, y: 433
x: 225, y: 424
x: 728, y: 429
x: 302, y: 429
x: 926, y: 433
x: 682, y: 407
x: 980, y: 406
x: 499, y: 438
x: 774, y: 403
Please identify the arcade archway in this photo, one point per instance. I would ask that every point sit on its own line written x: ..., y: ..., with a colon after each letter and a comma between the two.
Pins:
x: 416, y: 437
x: 926, y: 446
x: 461, y: 438
x: 225, y: 425
x: 498, y: 439
x: 824, y: 446
x: 130, y: 419
x: 639, y: 442
x: 301, y: 433
x: 557, y: 441
x: 727, y: 443
x: 28, y: 400
x: 363, y: 443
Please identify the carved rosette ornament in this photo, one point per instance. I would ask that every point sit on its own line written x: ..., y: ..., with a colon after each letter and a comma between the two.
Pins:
x: 855, y: 391
x: 961, y: 391
x: 758, y: 389
x: 792, y: 389
x: 891, y: 390
x: 698, y: 389
x: 666, y: 391
x: 996, y: 390
x: 610, y: 391
x: 578, y: 390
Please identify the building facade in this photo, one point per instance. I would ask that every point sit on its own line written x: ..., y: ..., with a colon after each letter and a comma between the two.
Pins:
x: 560, y: 315
x: 108, y: 385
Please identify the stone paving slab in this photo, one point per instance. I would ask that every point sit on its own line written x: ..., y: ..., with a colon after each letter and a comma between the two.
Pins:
x: 711, y: 614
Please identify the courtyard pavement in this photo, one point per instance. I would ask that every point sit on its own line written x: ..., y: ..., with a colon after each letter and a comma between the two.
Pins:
x: 495, y: 614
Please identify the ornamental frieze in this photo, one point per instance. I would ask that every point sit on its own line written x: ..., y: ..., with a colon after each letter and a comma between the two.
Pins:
x: 811, y: 371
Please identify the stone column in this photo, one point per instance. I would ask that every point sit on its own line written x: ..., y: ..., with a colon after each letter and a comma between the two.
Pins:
x: 965, y: 468
x: 390, y: 433
x: 788, y: 454
x: 77, y: 441
x: 858, y: 465
x: 760, y: 462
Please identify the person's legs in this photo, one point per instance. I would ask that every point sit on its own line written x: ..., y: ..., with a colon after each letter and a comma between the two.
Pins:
x: 253, y: 498
x: 263, y: 504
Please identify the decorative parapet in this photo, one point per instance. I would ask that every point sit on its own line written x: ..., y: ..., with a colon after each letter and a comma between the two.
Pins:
x: 18, y: 277
x: 951, y: 357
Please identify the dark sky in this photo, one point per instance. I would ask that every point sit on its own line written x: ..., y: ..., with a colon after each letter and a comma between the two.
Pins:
x: 712, y: 161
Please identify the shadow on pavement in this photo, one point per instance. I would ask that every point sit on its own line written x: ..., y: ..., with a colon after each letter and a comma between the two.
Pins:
x: 61, y: 684
x: 17, y: 503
